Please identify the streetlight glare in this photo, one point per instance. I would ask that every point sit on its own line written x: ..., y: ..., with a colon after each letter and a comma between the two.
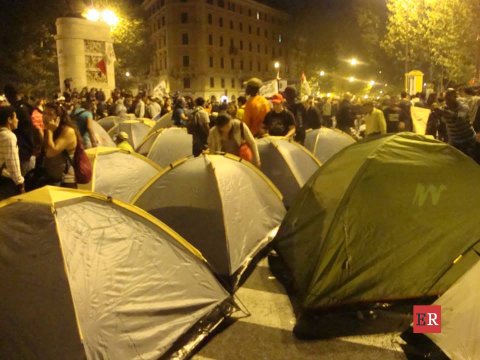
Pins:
x: 276, y: 65
x: 322, y: 73
x: 92, y: 15
x: 353, y: 62
x: 351, y: 79
x: 127, y: 74
x: 372, y: 82
x: 110, y: 17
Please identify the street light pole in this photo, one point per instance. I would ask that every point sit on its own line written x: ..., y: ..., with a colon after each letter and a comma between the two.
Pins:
x: 277, y: 67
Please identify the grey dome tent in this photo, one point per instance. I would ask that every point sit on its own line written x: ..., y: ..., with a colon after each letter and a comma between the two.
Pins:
x: 110, y: 121
x: 379, y: 222
x: 460, y: 317
x: 136, y: 130
x: 323, y: 143
x: 91, y: 278
x: 102, y: 136
x: 166, y: 146
x: 118, y: 173
x: 162, y: 123
x: 288, y: 164
x: 220, y: 204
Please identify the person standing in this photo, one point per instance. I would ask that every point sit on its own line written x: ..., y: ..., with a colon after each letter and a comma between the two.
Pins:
x: 345, y: 116
x: 83, y: 117
x: 227, y: 136
x: 327, y: 113
x: 179, y: 116
x: 374, y: 120
x: 11, y: 179
x: 279, y: 121
x: 199, y: 127
x: 256, y: 107
x: 299, y: 113
x: 24, y: 131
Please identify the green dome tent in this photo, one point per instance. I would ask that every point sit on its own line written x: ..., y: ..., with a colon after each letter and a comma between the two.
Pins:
x: 85, y: 277
x: 386, y: 219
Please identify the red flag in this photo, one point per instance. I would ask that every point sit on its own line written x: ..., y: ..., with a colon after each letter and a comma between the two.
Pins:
x: 102, y: 66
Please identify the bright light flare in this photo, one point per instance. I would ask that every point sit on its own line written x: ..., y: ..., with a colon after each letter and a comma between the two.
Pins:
x: 92, y: 15
x: 127, y: 74
x: 351, y: 79
x: 276, y: 65
x: 372, y: 82
x: 353, y: 62
x: 322, y: 73
x: 110, y: 17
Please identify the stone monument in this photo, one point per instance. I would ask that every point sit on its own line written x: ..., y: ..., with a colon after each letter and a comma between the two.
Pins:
x: 85, y: 54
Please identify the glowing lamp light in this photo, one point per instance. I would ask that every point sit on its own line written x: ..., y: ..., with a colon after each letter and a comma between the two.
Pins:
x: 372, y: 82
x: 351, y: 79
x: 224, y: 98
x: 329, y: 95
x: 276, y: 65
x: 365, y: 96
x: 322, y: 73
x: 127, y: 74
x: 92, y: 15
x: 110, y: 17
x: 353, y: 62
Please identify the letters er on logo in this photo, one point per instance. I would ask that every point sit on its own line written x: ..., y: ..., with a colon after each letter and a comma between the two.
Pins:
x: 427, y: 319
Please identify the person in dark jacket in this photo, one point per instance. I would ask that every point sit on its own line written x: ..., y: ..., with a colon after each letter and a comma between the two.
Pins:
x: 345, y: 116
x: 299, y: 112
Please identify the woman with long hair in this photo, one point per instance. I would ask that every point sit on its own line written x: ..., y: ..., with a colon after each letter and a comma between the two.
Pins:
x: 61, y: 138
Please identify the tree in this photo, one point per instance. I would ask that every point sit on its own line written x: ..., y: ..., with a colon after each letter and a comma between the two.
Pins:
x: 438, y: 35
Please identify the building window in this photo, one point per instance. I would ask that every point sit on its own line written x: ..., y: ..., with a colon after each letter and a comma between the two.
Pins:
x: 231, y: 24
x: 233, y: 83
x: 210, y: 2
x: 258, y: 48
x: 222, y: 63
x: 280, y: 38
x: 186, y: 83
x: 210, y: 39
x: 249, y: 29
x: 241, y: 64
x: 240, y: 26
x: 250, y: 47
x: 220, y: 22
x: 251, y: 65
x: 232, y: 64
x: 210, y: 19
x: 165, y: 63
x: 212, y: 82
x: 221, y: 3
x: 221, y: 41
x: 186, y: 61
x: 259, y: 68
x: 232, y: 44
x: 258, y: 31
x: 266, y: 33
x: 184, y: 18
x: 266, y: 50
x: 258, y: 15
x: 210, y: 60
x: 266, y: 67
x: 241, y: 44
x: 183, y: 1
x: 222, y: 81
x: 163, y: 20
x: 184, y: 39
x: 249, y: 12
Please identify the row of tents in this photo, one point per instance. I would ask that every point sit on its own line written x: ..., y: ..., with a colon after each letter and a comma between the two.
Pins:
x: 151, y: 278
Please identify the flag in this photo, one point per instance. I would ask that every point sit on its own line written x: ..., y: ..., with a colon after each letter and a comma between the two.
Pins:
x: 269, y: 88
x: 110, y: 53
x: 305, y: 86
x: 102, y: 66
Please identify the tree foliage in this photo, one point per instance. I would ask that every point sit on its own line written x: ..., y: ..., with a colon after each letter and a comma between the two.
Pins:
x: 436, y: 35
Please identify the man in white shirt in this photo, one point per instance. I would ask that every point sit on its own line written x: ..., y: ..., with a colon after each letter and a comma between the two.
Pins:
x: 11, y: 180
x: 375, y: 123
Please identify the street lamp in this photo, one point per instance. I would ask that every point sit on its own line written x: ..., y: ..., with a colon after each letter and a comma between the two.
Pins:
x: 351, y: 79
x: 322, y: 73
x: 110, y: 17
x: 127, y: 74
x: 353, y: 62
x: 92, y: 14
x: 372, y: 82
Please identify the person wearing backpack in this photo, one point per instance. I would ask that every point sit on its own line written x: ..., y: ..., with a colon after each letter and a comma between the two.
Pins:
x: 83, y: 118
x: 199, y: 127
x: 61, y: 137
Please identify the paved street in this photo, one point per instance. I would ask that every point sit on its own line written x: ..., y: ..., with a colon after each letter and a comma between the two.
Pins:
x: 267, y: 333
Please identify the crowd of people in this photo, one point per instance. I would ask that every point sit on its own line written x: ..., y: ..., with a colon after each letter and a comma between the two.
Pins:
x: 44, y: 133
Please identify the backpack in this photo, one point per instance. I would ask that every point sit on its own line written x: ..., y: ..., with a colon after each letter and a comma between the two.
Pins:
x: 192, y: 122
x: 81, y: 164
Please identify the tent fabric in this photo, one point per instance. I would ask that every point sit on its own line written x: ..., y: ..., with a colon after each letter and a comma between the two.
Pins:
x: 85, y: 270
x: 370, y: 224
x: 102, y: 136
x: 323, y: 143
x: 168, y: 146
x: 110, y: 121
x: 163, y: 122
x: 288, y: 164
x: 118, y: 173
x: 136, y: 130
x: 223, y: 206
x: 460, y: 336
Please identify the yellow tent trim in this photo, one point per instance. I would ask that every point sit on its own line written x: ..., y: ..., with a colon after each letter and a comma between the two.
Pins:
x: 50, y: 195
